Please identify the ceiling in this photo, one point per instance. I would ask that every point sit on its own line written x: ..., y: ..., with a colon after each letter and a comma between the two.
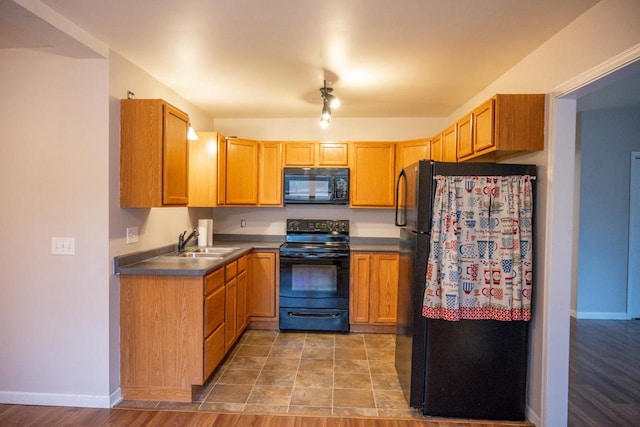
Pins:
x: 267, y: 59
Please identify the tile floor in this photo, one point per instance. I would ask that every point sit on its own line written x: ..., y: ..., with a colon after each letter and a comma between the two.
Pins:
x: 303, y: 373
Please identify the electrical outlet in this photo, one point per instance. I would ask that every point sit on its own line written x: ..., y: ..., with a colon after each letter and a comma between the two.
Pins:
x: 243, y: 223
x: 63, y: 245
x: 132, y: 235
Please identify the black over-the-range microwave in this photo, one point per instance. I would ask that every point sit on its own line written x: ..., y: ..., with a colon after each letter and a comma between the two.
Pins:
x: 316, y: 185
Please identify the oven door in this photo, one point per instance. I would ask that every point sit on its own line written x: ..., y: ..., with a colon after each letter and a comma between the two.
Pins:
x: 314, y: 282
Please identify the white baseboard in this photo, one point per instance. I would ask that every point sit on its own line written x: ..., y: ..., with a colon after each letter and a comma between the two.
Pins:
x: 600, y: 316
x: 54, y: 399
x: 532, y: 417
x: 116, y: 397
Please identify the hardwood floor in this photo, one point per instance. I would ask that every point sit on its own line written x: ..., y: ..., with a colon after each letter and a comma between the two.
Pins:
x: 604, y: 373
x: 44, y: 416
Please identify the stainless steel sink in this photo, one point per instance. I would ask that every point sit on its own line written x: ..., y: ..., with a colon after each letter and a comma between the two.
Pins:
x: 201, y: 255
x: 216, y: 252
x: 213, y: 250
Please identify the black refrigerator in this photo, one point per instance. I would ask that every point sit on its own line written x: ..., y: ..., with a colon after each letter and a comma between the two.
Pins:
x: 468, y: 368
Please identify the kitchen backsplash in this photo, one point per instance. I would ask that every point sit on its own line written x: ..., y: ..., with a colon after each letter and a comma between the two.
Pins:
x: 364, y: 222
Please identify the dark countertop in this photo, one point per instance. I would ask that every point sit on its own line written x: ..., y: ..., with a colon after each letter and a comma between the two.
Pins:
x: 157, y: 261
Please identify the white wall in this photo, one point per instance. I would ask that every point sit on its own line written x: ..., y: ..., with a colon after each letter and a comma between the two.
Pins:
x: 607, y: 139
x: 54, y: 310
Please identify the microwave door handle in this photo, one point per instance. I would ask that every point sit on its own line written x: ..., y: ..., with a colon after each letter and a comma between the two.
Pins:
x: 404, y: 221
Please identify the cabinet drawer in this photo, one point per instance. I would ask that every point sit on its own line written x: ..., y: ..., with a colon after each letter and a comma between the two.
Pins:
x: 213, y: 350
x: 242, y: 264
x: 231, y: 270
x: 213, y: 281
x: 213, y: 311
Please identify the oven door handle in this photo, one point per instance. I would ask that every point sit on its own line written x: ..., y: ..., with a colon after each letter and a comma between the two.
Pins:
x: 321, y: 315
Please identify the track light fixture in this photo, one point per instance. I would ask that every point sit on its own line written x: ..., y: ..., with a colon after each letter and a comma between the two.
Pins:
x: 329, y: 101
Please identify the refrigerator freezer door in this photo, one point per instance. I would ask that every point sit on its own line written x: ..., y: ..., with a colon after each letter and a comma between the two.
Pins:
x: 476, y: 369
x: 416, y: 198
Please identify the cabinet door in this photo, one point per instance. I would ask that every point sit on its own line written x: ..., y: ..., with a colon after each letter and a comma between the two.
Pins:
x: 203, y: 170
x: 213, y: 311
x: 333, y: 154
x: 408, y: 152
x: 360, y: 269
x: 465, y: 141
x: 222, y: 171
x: 299, y: 153
x: 483, y: 127
x: 176, y: 157
x: 384, y: 288
x: 213, y: 351
x: 230, y: 316
x: 270, y: 174
x: 264, y: 266
x: 241, y: 172
x: 449, y: 153
x: 153, y: 154
x: 373, y: 174
x: 436, y: 148
x: 242, y: 303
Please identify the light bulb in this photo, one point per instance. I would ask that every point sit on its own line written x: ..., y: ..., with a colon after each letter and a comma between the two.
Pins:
x: 324, y: 123
x: 191, y: 134
x: 326, y: 111
x: 334, y: 102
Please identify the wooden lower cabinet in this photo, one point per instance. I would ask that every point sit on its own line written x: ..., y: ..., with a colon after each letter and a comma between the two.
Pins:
x: 373, y: 288
x: 230, y: 313
x: 170, y: 334
x: 236, y: 301
x: 263, y: 289
x: 175, y: 330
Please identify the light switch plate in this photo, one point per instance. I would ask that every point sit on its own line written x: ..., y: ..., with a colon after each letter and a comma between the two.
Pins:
x: 63, y: 245
x: 132, y: 235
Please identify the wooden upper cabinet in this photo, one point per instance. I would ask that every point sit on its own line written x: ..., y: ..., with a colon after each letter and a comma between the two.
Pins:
x: 299, y: 154
x: 241, y: 172
x: 449, y: 153
x: 436, y: 148
x: 408, y: 152
x: 372, y: 181
x: 154, y: 156
x: 270, y: 174
x: 483, y: 138
x: 506, y: 125
x: 203, y: 169
x: 312, y: 153
x: 464, y: 143
x: 333, y: 154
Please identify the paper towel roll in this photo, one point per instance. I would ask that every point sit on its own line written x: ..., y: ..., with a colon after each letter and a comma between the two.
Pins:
x: 202, y: 232
x: 210, y: 232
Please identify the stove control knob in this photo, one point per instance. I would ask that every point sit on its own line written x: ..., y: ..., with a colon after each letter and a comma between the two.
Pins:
x: 294, y: 226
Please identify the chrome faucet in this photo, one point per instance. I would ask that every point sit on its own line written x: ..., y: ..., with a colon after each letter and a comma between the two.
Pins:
x: 182, y: 241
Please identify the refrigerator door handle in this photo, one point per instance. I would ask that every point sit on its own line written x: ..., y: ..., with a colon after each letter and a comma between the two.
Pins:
x: 400, y: 176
